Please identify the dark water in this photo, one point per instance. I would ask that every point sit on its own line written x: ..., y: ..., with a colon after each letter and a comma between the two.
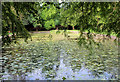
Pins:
x: 60, y: 60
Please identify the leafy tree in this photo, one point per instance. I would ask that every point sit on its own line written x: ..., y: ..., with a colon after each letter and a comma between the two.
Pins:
x: 33, y: 17
x: 12, y: 12
x: 100, y: 17
x: 50, y: 15
x: 69, y: 17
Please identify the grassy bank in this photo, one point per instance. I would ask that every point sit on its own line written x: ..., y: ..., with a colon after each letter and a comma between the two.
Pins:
x: 77, y: 31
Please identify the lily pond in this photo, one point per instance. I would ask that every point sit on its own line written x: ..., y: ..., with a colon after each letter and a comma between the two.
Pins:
x: 54, y: 57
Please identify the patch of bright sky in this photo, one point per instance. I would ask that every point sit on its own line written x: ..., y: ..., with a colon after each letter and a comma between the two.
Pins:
x: 60, y: 1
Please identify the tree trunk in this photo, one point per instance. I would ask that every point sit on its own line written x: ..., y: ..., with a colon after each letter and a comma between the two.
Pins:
x: 73, y: 28
x: 57, y: 28
x: 98, y: 23
x: 36, y: 28
x: 13, y: 33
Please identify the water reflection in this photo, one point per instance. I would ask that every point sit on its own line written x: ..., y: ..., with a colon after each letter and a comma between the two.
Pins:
x: 62, y: 70
x: 61, y: 59
x: 36, y: 74
x: 67, y: 72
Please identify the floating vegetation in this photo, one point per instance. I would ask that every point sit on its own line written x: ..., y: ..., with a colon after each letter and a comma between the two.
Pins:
x: 59, y: 60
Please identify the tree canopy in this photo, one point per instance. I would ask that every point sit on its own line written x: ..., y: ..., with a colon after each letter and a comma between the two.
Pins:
x: 100, y: 17
x: 12, y: 14
x: 50, y: 16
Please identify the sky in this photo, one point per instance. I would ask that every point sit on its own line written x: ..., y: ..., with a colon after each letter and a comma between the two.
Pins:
x: 60, y: 1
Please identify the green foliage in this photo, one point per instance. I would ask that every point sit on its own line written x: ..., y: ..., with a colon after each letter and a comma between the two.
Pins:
x: 69, y: 16
x: 93, y: 16
x: 99, y: 17
x: 12, y: 21
x: 63, y: 78
x: 44, y: 55
x: 33, y: 17
x: 90, y: 16
x: 50, y: 15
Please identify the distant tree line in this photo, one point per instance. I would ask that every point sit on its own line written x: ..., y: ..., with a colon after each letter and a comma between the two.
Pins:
x: 21, y: 17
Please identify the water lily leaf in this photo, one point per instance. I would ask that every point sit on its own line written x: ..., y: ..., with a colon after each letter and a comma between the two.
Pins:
x: 64, y: 78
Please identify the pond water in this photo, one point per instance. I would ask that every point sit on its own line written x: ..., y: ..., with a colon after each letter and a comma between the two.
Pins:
x: 59, y: 60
